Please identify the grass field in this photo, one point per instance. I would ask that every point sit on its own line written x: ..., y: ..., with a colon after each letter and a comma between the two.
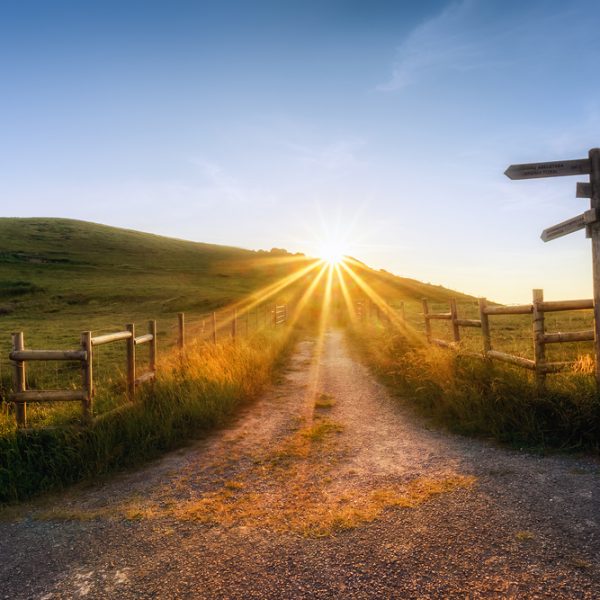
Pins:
x: 61, y: 277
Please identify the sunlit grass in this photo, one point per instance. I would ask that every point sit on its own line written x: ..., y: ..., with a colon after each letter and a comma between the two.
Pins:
x: 480, y: 397
x: 192, y: 393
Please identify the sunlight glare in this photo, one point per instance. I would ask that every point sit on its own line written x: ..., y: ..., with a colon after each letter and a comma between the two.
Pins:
x: 332, y: 252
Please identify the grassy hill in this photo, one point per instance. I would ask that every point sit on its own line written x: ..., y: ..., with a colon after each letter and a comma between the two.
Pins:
x: 89, y: 276
x: 60, y: 276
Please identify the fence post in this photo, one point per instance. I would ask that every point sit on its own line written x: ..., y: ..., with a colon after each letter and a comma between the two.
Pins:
x: 234, y: 325
x: 454, y: 317
x: 19, y: 379
x: 539, y: 348
x: 427, y: 321
x: 485, y: 326
x: 87, y: 374
x: 131, y: 361
x: 214, y: 327
x: 593, y: 231
x: 181, y: 324
x: 153, y: 345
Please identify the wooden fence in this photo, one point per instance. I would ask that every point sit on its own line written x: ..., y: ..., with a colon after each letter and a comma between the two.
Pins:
x: 540, y: 337
x: 207, y: 328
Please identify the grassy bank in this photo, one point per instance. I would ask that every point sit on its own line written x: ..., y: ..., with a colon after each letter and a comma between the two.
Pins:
x: 473, y: 397
x: 191, y: 395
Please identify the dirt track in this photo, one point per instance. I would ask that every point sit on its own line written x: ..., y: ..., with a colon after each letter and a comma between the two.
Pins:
x: 323, y: 488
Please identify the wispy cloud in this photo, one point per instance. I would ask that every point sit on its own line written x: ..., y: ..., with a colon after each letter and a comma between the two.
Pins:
x: 336, y: 156
x: 217, y: 184
x: 441, y: 42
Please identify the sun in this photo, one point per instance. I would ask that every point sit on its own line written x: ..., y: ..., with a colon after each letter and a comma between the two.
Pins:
x: 332, y: 252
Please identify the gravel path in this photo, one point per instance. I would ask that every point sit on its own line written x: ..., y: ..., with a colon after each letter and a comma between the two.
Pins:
x: 323, y: 488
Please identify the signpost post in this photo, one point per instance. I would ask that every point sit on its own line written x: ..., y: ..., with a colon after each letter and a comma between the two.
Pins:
x: 588, y: 220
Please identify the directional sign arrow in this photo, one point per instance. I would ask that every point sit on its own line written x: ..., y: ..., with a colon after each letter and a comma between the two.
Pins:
x: 549, y: 169
x: 569, y: 226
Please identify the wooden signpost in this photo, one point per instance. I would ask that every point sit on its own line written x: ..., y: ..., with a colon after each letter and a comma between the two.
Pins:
x: 549, y: 169
x: 569, y: 226
x: 587, y: 220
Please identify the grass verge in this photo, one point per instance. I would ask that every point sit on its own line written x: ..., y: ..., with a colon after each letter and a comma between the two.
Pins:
x: 475, y: 397
x: 192, y: 394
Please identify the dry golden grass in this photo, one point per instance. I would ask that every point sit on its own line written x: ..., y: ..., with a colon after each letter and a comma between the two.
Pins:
x: 474, y: 396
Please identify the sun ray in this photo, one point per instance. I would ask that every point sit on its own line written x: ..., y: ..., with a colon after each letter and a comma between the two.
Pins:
x: 271, y: 290
x: 381, y: 303
x: 346, y: 294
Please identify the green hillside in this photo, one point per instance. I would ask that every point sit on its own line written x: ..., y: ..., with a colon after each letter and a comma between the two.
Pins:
x: 88, y: 276
x: 60, y: 276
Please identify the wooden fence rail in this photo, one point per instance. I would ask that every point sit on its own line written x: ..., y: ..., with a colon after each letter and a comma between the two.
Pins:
x: 20, y: 356
x: 540, y: 338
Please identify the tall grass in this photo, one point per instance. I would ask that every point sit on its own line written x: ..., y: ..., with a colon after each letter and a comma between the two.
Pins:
x: 477, y: 397
x: 193, y: 393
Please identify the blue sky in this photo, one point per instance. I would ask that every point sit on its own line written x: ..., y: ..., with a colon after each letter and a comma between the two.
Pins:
x: 262, y: 124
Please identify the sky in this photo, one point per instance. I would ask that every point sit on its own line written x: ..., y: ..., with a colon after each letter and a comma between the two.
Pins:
x: 387, y: 125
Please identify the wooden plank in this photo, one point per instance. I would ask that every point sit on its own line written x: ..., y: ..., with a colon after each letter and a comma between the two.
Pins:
x: 569, y: 336
x: 154, y: 344
x: 427, y: 322
x: 181, y: 326
x: 453, y: 318
x: 558, y: 305
x: 468, y: 322
x: 131, y: 361
x: 99, y: 340
x: 48, y: 355
x: 439, y: 316
x: 485, y: 325
x: 509, y: 358
x: 521, y: 309
x: 539, y: 332
x: 143, y: 339
x: 87, y: 375
x: 19, y: 380
x: 149, y: 376
x: 564, y: 228
x: 579, y: 166
x: 443, y: 343
x: 49, y: 396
